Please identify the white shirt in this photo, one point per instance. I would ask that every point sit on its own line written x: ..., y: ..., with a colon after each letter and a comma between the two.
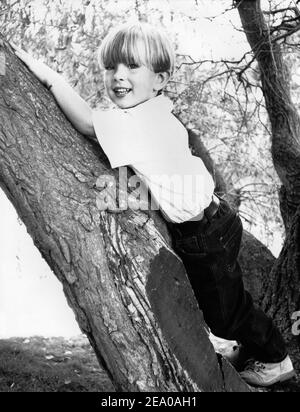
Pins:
x: 150, y: 140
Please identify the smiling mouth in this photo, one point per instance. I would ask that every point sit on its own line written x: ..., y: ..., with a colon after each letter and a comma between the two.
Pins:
x: 121, y: 91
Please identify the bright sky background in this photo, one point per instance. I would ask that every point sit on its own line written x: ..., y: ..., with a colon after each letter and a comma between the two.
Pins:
x: 31, y: 299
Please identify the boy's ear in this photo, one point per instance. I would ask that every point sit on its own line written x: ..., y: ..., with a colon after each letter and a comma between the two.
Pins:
x: 161, y: 80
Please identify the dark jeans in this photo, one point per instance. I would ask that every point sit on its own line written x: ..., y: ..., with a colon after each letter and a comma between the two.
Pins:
x: 209, y: 250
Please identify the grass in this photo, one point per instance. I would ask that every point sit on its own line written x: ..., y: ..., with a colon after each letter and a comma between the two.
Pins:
x: 38, y: 364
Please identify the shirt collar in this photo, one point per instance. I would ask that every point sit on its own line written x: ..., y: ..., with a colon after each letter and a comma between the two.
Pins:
x: 158, y: 104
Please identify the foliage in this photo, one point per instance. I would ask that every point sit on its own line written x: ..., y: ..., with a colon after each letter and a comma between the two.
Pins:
x: 223, y: 101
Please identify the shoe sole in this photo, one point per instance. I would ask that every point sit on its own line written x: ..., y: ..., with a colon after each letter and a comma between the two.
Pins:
x: 283, y: 378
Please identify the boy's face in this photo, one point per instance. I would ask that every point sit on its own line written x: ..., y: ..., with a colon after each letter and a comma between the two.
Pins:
x: 128, y: 86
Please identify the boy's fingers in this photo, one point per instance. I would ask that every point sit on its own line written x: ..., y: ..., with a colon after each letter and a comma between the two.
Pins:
x: 23, y: 57
x: 18, y: 53
x: 21, y: 53
x: 16, y: 48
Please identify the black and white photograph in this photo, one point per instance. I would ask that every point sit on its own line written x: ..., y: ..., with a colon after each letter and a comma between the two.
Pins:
x: 149, y: 198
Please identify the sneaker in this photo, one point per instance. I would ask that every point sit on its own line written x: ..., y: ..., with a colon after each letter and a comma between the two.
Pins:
x: 238, y: 357
x: 267, y: 374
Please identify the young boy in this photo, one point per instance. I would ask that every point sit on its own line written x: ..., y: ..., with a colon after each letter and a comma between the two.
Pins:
x: 143, y: 133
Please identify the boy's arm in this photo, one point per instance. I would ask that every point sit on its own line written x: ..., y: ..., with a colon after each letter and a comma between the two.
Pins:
x: 75, y: 108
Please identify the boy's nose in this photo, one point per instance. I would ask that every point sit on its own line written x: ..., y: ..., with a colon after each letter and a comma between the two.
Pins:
x: 120, y: 72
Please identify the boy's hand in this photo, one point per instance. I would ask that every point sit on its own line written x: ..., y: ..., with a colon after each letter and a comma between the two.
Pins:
x: 39, y: 69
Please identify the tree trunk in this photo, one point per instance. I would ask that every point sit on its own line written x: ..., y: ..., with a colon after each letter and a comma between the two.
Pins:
x: 128, y: 289
x: 282, y: 287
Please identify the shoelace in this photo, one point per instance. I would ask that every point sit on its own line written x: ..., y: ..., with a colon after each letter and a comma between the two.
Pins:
x: 236, y: 348
x: 255, y: 366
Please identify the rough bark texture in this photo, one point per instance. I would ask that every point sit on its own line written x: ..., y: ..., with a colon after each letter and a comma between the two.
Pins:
x: 128, y: 289
x: 281, y: 290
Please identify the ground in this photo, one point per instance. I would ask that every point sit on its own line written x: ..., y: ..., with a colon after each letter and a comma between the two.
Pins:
x: 38, y: 364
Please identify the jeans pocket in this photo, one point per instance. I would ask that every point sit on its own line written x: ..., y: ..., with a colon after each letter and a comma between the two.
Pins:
x: 231, y: 240
x: 190, y: 247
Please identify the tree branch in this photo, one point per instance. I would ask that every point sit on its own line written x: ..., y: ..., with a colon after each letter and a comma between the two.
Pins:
x: 9, y: 7
x: 285, y: 121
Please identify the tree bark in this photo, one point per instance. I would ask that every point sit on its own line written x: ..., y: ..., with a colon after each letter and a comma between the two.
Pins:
x: 128, y: 289
x: 281, y: 289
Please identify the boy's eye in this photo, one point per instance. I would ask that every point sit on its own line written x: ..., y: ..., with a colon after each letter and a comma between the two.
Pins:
x: 110, y: 66
x: 130, y: 66
x: 133, y: 66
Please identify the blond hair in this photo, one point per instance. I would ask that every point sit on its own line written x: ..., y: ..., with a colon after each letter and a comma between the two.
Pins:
x: 140, y: 44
